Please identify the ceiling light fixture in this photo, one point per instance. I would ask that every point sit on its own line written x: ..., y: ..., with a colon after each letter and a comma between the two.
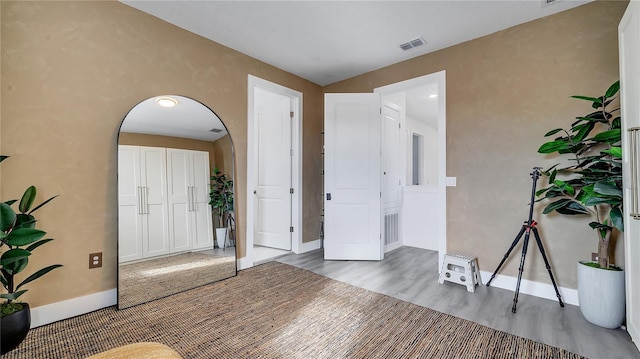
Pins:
x: 435, y: 95
x: 166, y: 101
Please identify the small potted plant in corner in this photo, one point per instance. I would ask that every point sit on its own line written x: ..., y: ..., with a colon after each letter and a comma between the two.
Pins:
x: 18, y: 239
x: 591, y: 184
x: 221, y: 201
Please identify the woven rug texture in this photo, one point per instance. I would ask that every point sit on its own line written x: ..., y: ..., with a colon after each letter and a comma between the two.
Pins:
x: 279, y: 311
x: 143, y: 281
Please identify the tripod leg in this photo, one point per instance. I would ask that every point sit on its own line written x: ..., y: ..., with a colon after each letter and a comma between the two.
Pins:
x: 546, y: 262
x: 524, y: 255
x: 513, y: 244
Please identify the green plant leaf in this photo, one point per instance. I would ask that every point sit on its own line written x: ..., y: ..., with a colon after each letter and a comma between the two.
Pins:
x: 610, y: 136
x: 25, y: 221
x: 573, y: 208
x: 24, y: 236
x: 12, y: 296
x: 555, y: 205
x: 596, y: 102
x: 7, y: 217
x: 607, y: 189
x: 38, y: 244
x: 553, y: 146
x: 12, y: 256
x: 552, y: 132
x: 598, y: 225
x: 616, y: 123
x: 38, y: 274
x: 42, y: 204
x: 613, y: 89
x: 614, y: 151
x: 27, y: 199
x: 616, y: 218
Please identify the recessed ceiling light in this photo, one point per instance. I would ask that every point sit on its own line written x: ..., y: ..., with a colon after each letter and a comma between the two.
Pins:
x: 435, y: 95
x: 166, y: 101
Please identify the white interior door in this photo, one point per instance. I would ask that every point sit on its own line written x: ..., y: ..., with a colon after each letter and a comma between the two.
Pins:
x: 352, y: 202
x: 629, y: 45
x: 273, y: 154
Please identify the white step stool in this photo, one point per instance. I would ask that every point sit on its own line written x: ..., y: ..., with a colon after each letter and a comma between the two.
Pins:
x: 461, y: 269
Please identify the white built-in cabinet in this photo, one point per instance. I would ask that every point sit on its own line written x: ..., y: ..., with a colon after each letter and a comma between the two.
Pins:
x: 163, y: 201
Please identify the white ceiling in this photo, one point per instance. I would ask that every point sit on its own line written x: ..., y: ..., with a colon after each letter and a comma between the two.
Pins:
x: 187, y: 119
x: 328, y: 41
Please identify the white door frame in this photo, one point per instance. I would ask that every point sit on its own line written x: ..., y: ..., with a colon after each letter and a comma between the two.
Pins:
x: 440, y: 79
x: 296, y: 166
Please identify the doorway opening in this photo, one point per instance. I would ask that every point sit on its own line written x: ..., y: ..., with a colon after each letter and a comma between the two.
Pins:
x: 415, y: 189
x: 274, y: 224
x: 385, y: 170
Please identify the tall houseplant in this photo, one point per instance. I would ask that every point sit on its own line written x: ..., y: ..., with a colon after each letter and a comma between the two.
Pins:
x: 221, y: 201
x: 591, y: 184
x: 18, y: 239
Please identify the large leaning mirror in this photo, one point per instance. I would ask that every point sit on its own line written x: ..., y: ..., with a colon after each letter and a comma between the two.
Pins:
x: 176, y: 227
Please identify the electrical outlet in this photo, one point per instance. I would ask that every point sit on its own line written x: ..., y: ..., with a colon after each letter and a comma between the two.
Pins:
x: 95, y: 260
x: 594, y: 257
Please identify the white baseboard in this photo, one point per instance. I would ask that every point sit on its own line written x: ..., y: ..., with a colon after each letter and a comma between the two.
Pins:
x: 537, y: 289
x: 310, y: 246
x: 54, y: 312
x: 244, y: 263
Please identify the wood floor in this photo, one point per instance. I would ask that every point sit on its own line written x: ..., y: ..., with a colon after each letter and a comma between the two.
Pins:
x: 411, y: 274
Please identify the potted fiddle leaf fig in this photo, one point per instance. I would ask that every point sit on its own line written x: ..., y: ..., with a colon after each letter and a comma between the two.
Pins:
x: 590, y: 184
x: 19, y: 237
x: 221, y: 201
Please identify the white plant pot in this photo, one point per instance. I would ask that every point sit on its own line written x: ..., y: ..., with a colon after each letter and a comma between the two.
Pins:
x: 601, y: 296
x: 221, y: 236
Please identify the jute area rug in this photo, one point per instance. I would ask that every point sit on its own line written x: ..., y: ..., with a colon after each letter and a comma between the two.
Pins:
x: 278, y: 311
x: 143, y: 281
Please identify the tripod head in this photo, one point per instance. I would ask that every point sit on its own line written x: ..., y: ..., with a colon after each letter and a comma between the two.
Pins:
x: 535, y: 174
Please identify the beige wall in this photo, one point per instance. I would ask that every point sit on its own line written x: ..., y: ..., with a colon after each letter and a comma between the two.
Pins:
x: 223, y: 160
x: 504, y: 92
x: 70, y: 71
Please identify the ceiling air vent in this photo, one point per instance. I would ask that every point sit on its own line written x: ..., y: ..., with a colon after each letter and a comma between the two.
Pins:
x: 416, y: 42
x: 215, y: 130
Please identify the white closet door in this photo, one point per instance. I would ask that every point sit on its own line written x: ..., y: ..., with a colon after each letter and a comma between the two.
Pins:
x: 155, y: 240
x: 179, y: 191
x: 129, y: 206
x: 629, y: 47
x: 201, y: 209
x: 353, y: 177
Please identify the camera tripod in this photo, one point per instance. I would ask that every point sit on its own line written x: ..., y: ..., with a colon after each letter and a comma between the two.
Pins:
x: 528, y: 227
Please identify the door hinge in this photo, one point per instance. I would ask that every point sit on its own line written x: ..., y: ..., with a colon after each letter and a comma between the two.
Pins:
x: 291, y: 229
x: 291, y: 190
x: 291, y: 114
x: 291, y: 152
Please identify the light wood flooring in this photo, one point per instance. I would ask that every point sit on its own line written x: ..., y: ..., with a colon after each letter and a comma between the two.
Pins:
x: 411, y: 274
